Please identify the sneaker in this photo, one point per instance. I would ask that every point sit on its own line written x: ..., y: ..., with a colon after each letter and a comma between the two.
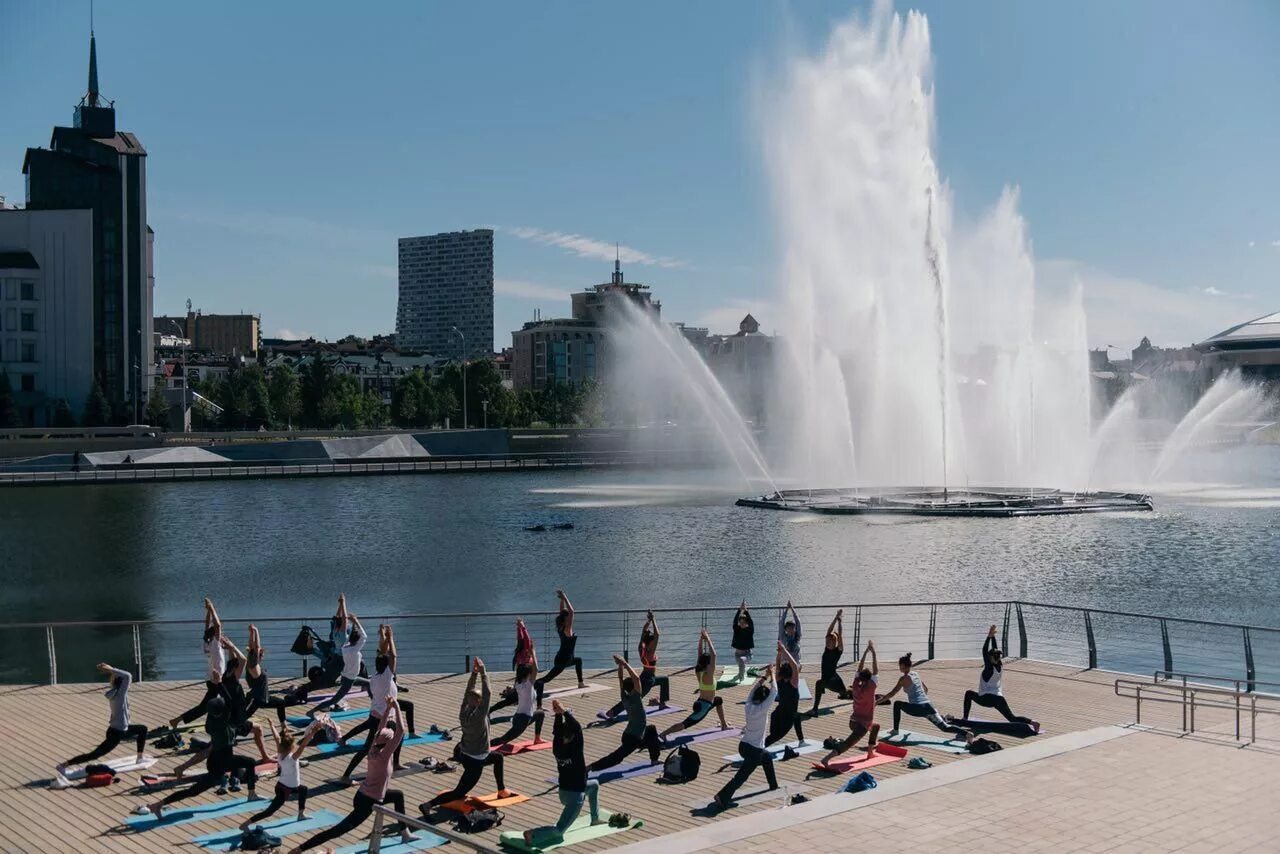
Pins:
x: 221, y: 790
x: 789, y: 752
x: 341, y: 705
x: 620, y: 819
x: 234, y: 784
x: 798, y: 799
x: 917, y: 763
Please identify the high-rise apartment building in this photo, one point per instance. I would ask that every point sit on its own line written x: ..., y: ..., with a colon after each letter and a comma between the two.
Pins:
x: 92, y: 166
x: 446, y: 284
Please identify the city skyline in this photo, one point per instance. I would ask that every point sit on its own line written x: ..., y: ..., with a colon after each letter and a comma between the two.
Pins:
x: 1165, y: 217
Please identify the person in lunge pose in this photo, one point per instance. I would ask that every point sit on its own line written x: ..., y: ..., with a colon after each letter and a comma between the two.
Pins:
x: 527, y: 711
x: 118, y: 728
x: 237, y: 709
x: 639, y: 732
x: 289, y: 774
x: 373, y: 791
x: 751, y: 748
x: 744, y: 638
x: 648, y: 649
x: 564, y: 655
x: 705, y: 671
x: 382, y: 690
x: 786, y: 712
x: 216, y: 654
x: 566, y: 744
x: 830, y: 679
x: 990, y: 693
x: 862, y: 720
x: 525, y: 654
x: 222, y: 759
x: 352, y: 658
x: 473, y: 747
x: 917, y: 704
x: 255, y: 675
x: 789, y: 630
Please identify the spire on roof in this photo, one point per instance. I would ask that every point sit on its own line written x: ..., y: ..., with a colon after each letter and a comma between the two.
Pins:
x: 91, y: 99
x: 617, y: 264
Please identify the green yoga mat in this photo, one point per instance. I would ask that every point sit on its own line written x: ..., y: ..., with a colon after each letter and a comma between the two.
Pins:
x: 580, y: 831
x: 729, y: 678
x: 906, y: 738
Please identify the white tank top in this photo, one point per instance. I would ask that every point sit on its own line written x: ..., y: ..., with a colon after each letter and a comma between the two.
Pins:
x: 526, y: 698
x: 289, y: 775
x: 915, y: 690
x: 992, y: 685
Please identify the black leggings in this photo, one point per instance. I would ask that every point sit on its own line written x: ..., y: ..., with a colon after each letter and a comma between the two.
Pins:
x: 701, y: 708
x: 109, y: 743
x: 520, y: 723
x: 560, y: 666
x: 630, y: 744
x: 367, y: 726
x: 219, y: 762
x: 780, y: 723
x: 924, y: 710
x: 834, y: 684
x: 361, y: 808
x: 993, y: 701
x: 278, y: 702
x: 471, y: 771
x: 647, y: 680
x: 210, y: 691
x: 282, y: 794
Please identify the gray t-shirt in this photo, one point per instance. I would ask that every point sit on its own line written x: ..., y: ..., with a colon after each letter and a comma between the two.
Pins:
x: 118, y: 695
x: 633, y: 703
x: 475, y: 723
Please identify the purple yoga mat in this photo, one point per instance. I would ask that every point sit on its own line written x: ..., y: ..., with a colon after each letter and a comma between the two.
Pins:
x: 648, y: 713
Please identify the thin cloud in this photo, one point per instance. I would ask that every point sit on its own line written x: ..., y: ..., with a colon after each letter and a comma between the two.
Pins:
x: 589, y: 247
x: 1275, y: 243
x: 290, y: 335
x: 520, y: 289
x: 1214, y: 292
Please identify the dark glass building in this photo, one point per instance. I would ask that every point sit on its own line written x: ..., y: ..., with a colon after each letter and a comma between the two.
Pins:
x: 93, y: 166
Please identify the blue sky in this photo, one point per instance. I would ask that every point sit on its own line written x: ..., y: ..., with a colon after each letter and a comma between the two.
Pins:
x: 291, y: 143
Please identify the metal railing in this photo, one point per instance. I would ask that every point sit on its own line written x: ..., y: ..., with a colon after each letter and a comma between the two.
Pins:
x: 1087, y: 638
x: 1246, y: 685
x: 381, y: 813
x: 1192, y: 697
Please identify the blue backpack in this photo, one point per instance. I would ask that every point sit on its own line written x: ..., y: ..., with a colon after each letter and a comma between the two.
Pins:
x: 860, y: 783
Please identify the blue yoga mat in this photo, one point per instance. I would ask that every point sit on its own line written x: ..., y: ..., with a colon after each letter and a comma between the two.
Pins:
x: 303, y: 720
x: 355, y: 744
x: 226, y: 840
x: 200, y: 812
x: 393, y: 845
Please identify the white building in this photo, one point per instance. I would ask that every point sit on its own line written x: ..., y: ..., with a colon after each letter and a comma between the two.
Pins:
x: 46, y: 309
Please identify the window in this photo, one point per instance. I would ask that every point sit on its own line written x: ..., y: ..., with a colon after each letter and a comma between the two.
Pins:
x: 28, y: 351
x: 11, y: 319
x: 28, y: 321
x: 28, y: 382
x: 28, y: 291
x: 11, y: 289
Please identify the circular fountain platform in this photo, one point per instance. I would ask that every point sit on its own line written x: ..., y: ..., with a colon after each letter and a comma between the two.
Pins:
x: 992, y: 501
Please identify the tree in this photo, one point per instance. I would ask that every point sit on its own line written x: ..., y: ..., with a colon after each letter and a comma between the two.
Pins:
x: 9, y: 416
x: 319, y: 405
x: 413, y: 403
x: 157, y: 411
x: 257, y: 398
x: 62, y: 415
x: 348, y: 402
x: 97, y: 412
x: 285, y: 396
x: 374, y: 411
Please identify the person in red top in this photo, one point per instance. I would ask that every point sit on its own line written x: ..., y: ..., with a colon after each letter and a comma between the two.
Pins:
x: 648, y: 649
x: 862, y: 721
x: 374, y: 789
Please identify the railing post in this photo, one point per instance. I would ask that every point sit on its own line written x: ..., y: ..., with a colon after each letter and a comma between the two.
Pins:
x: 933, y: 625
x: 1004, y: 638
x: 466, y: 644
x: 375, y: 839
x: 53, y: 655
x: 137, y: 650
x: 857, y: 627
x: 1022, y: 632
x: 626, y: 636
x: 1249, y: 672
x: 1093, y: 646
x: 1164, y: 641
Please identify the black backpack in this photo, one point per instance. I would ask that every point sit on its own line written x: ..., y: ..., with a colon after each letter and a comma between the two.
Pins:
x: 681, y: 765
x: 258, y: 839
x: 979, y: 746
x: 478, y: 821
x: 305, y: 643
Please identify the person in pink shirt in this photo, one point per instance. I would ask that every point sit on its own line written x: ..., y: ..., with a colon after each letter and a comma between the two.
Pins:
x: 374, y: 789
x: 862, y: 721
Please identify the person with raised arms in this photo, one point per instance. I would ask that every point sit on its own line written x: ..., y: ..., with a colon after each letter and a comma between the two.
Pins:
x: 524, y: 654
x: 118, y: 728
x: 833, y: 648
x: 862, y: 719
x: 705, y: 671
x: 786, y: 710
x: 382, y: 690
x: 574, y: 787
x: 648, y: 650
x: 221, y: 760
x: 473, y: 747
x: 288, y: 773
x: 990, y: 693
x: 527, y: 711
x: 751, y: 747
x: 789, y: 630
x: 744, y: 638
x: 216, y: 656
x: 917, y: 704
x: 638, y: 732
x: 565, y: 654
x: 352, y: 659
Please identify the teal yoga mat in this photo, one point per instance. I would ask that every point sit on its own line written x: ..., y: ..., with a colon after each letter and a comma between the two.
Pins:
x: 349, y: 714
x: 200, y: 812
x: 226, y: 840
x: 580, y: 831
x: 355, y: 744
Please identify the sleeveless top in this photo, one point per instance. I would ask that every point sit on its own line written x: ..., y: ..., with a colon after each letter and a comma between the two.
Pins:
x: 703, y: 686
x: 257, y: 687
x: 992, y: 685
x: 564, y: 655
x: 788, y: 697
x: 915, y: 689
x: 648, y: 660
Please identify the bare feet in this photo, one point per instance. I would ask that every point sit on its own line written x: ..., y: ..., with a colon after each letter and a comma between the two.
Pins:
x: 597, y: 820
x: 344, y: 781
x: 302, y: 816
x: 581, y: 684
x: 504, y: 794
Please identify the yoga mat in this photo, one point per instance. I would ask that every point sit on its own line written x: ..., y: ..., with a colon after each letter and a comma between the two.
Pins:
x: 120, y: 765
x: 621, y: 772
x: 304, y: 720
x: 729, y: 679
x: 805, y: 693
x: 575, y: 691
x: 885, y: 753
x: 513, y: 747
x: 906, y: 738
x: 353, y: 694
x: 200, y: 812
x: 582, y: 830
x: 228, y: 840
x: 393, y: 845
x: 699, y: 736
x: 489, y: 801
x: 648, y: 713
x: 355, y: 744
x: 755, y: 797
x: 809, y: 746
x: 151, y: 781
x: 983, y: 726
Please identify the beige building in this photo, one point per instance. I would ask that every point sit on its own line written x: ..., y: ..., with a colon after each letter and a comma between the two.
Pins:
x: 223, y: 334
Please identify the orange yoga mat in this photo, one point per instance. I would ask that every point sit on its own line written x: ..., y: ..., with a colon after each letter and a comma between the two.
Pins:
x: 885, y: 753
x: 513, y: 747
x: 480, y: 802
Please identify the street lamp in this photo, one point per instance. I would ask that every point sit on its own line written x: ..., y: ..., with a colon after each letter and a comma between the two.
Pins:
x: 186, y: 418
x: 484, y: 405
x: 464, y: 375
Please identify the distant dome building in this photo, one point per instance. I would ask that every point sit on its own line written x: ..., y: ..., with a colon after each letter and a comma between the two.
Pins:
x: 1252, y: 347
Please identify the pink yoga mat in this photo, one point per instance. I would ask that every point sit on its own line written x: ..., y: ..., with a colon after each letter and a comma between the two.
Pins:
x: 885, y: 753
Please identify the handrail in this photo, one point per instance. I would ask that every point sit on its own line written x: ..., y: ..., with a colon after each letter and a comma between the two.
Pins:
x: 1186, y: 697
x: 1159, y: 676
x: 382, y: 812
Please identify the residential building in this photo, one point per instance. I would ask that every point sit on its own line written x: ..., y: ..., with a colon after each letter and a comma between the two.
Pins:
x: 224, y: 334
x: 46, y: 309
x: 93, y: 166
x: 446, y: 294
x: 743, y: 363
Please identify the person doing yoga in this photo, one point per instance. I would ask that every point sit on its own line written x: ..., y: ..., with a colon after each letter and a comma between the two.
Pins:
x: 917, y: 704
x: 118, y: 728
x: 382, y: 690
x: 789, y: 630
x: 705, y: 671
x: 238, y: 711
x: 473, y: 747
x: 833, y: 649
x: 527, y: 711
x: 575, y: 788
x: 639, y: 732
x: 786, y: 711
x: 744, y: 638
x: 525, y: 654
x: 289, y: 773
x: 648, y: 649
x: 564, y: 655
x: 374, y: 789
x: 352, y: 659
x: 752, y: 748
x: 990, y: 694
x: 255, y: 676
x: 215, y: 653
x: 862, y: 720
x: 221, y: 759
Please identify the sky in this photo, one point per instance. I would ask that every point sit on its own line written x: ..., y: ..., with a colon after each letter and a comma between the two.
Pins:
x: 290, y: 143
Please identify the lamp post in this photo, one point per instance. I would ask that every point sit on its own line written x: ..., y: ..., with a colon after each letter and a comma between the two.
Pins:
x: 186, y: 418
x: 484, y: 406
x: 464, y: 375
